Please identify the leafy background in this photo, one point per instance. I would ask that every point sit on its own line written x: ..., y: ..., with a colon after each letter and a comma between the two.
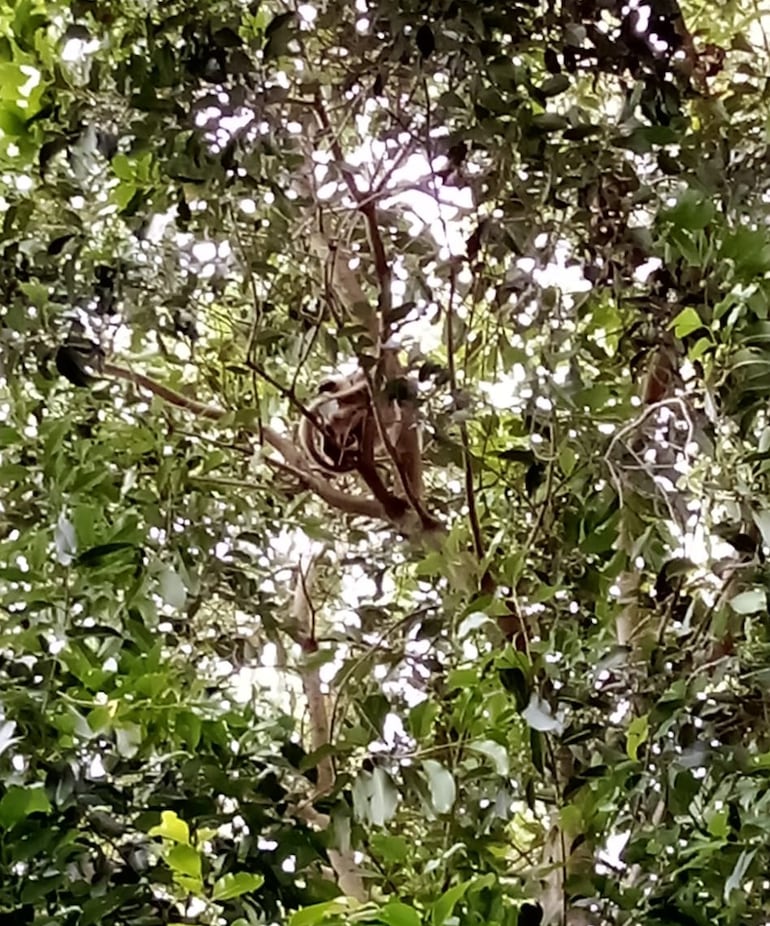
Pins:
x: 573, y: 202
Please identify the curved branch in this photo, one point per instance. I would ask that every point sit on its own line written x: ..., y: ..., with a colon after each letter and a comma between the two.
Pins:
x: 350, y: 504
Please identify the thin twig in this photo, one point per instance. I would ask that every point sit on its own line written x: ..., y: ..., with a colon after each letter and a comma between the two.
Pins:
x: 470, y: 489
x: 286, y: 393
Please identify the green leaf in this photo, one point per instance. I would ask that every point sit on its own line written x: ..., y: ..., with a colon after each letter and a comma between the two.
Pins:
x: 35, y: 891
x: 18, y: 803
x: 762, y: 518
x: 549, y: 122
x: 186, y: 860
x: 171, y: 827
x: 515, y: 681
x: 567, y: 459
x: 122, y: 194
x: 390, y: 848
x: 279, y: 33
x: 686, y: 322
x: 188, y: 727
x: 96, y: 556
x: 443, y: 790
x: 687, y: 244
x: 738, y: 874
x: 172, y: 589
x: 749, y: 249
x: 637, y: 733
x: 12, y: 123
x: 122, y: 167
x: 493, y: 751
x: 692, y: 212
x: 11, y: 79
x: 421, y: 718
x: 98, y: 910
x: 384, y: 797
x: 129, y: 737
x: 317, y: 913
x: 444, y: 906
x: 234, y: 885
x: 749, y: 602
x: 683, y: 791
x: 718, y: 824
x: 580, y: 132
x: 555, y: 85
x: 399, y: 914
x: 281, y: 21
x: 700, y: 348
x: 375, y: 797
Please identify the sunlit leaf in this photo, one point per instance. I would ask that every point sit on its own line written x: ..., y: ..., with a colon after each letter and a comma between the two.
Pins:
x: 7, y: 738
x: 129, y: 738
x: 172, y: 589
x: 235, y: 885
x: 735, y: 881
x: 750, y: 601
x: 538, y: 715
x: 186, y: 860
x: 384, y: 797
x: 64, y: 538
x: 318, y: 913
x: 171, y: 827
x: 399, y: 914
x: 375, y: 797
x: 443, y: 790
x: 636, y: 735
x: 493, y: 751
x: 686, y: 322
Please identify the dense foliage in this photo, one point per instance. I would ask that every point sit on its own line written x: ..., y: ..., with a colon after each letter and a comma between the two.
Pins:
x: 227, y: 695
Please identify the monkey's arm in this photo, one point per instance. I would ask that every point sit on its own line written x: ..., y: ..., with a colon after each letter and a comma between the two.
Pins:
x: 405, y: 454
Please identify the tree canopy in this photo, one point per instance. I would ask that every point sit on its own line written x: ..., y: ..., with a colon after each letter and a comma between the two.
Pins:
x: 384, y: 445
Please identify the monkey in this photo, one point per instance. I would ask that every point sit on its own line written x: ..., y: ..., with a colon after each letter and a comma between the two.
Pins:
x: 340, y: 434
x: 329, y: 435
x: 348, y: 428
x: 334, y: 431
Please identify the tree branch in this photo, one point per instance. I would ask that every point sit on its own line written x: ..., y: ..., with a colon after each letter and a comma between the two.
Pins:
x: 366, y: 205
x: 348, y: 876
x: 350, y: 504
